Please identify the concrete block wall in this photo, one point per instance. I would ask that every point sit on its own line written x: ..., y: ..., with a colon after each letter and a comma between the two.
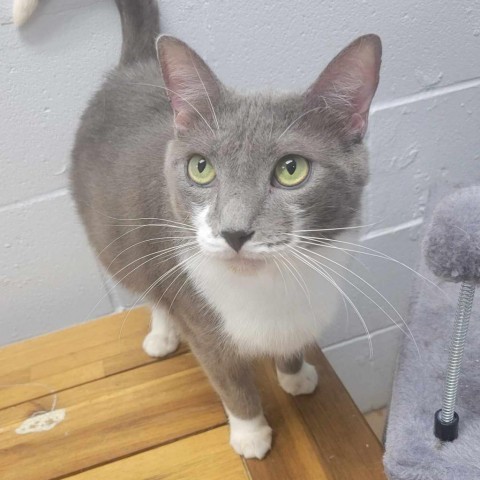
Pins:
x: 424, y: 139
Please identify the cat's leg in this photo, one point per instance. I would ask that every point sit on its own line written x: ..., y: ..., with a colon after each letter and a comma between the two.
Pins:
x: 232, y: 378
x: 296, y: 376
x: 163, y: 338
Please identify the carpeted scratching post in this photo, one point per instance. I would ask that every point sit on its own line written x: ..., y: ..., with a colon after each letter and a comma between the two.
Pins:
x: 437, y: 379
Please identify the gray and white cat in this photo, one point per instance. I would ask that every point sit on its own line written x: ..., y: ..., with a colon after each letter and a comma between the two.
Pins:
x: 222, y: 209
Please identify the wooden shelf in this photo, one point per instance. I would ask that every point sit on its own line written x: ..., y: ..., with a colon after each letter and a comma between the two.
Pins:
x: 129, y: 417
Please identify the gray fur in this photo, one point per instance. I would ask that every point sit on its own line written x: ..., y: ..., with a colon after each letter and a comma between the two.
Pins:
x: 129, y: 162
x: 290, y: 365
x: 452, y: 244
x: 139, y: 27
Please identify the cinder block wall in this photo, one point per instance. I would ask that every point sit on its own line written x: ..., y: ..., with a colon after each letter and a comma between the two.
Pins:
x: 424, y: 137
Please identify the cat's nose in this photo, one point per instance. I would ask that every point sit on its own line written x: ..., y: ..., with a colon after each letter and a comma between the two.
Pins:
x: 236, y: 239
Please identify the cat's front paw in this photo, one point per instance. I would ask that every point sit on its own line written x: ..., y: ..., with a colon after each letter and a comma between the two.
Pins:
x: 300, y: 383
x: 160, y: 344
x: 250, y: 438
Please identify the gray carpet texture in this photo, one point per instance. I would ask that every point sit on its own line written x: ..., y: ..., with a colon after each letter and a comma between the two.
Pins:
x: 412, y: 451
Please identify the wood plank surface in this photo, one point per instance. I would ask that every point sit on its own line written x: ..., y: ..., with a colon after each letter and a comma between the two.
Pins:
x: 325, y: 432
x: 206, y: 456
x: 111, y: 418
x: 347, y: 446
x: 67, y: 358
x: 129, y: 417
x: 291, y: 440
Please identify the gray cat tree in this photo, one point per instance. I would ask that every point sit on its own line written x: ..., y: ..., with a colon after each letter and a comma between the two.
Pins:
x: 433, y: 430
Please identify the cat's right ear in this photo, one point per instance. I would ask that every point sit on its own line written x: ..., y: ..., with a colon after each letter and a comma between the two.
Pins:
x: 193, y: 89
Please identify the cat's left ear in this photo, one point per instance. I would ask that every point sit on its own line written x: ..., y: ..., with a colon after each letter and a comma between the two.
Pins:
x: 193, y: 89
x: 348, y: 84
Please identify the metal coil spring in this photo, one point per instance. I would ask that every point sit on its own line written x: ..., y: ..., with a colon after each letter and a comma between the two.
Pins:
x: 457, y: 345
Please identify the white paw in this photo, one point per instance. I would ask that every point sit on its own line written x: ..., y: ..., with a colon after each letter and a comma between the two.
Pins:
x: 250, y: 438
x: 160, y: 344
x: 300, y: 383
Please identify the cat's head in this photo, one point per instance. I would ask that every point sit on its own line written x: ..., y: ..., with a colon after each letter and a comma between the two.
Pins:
x: 252, y: 172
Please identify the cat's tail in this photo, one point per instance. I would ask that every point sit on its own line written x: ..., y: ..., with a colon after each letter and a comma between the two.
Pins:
x: 140, y: 27
x: 22, y: 10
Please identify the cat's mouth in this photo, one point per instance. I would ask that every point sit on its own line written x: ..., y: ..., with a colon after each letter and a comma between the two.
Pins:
x: 241, y: 262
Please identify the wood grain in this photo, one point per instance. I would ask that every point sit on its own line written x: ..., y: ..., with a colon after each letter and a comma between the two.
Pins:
x: 206, y: 456
x: 130, y: 417
x: 347, y: 446
x: 294, y: 453
x: 111, y: 418
x: 325, y: 432
x: 74, y: 356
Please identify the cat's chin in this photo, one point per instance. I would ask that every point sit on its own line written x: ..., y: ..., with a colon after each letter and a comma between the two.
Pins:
x: 241, y: 264
x: 245, y: 265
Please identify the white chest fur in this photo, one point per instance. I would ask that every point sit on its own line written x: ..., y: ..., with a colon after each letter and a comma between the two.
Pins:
x: 270, y: 311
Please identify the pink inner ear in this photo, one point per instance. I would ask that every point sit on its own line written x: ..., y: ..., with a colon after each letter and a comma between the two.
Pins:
x: 349, y: 82
x: 175, y: 101
x: 192, y: 87
x: 358, y: 124
x: 368, y: 75
x: 182, y: 119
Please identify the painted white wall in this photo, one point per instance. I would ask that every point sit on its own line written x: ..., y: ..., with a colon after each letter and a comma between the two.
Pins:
x: 424, y: 137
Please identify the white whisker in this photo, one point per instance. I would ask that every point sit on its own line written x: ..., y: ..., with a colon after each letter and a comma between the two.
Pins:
x: 110, y: 290
x: 173, y: 222
x: 303, y: 286
x: 281, y: 273
x: 114, y: 240
x: 152, y: 286
x: 206, y: 92
x: 158, y: 254
x: 133, y: 219
x: 183, y: 98
x: 407, y: 333
x: 335, y: 229
x: 159, y: 239
x: 388, y: 257
x: 202, y: 260
x: 296, y: 120
x: 320, y: 271
x: 179, y: 228
x: 324, y: 243
x: 376, y: 253
x: 343, y: 299
x: 186, y: 261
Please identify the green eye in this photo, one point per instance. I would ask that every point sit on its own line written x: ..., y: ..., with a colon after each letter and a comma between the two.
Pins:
x: 291, y: 170
x: 200, y: 170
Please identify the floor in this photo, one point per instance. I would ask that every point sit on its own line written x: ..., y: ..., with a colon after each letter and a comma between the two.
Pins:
x: 87, y: 404
x: 377, y: 420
